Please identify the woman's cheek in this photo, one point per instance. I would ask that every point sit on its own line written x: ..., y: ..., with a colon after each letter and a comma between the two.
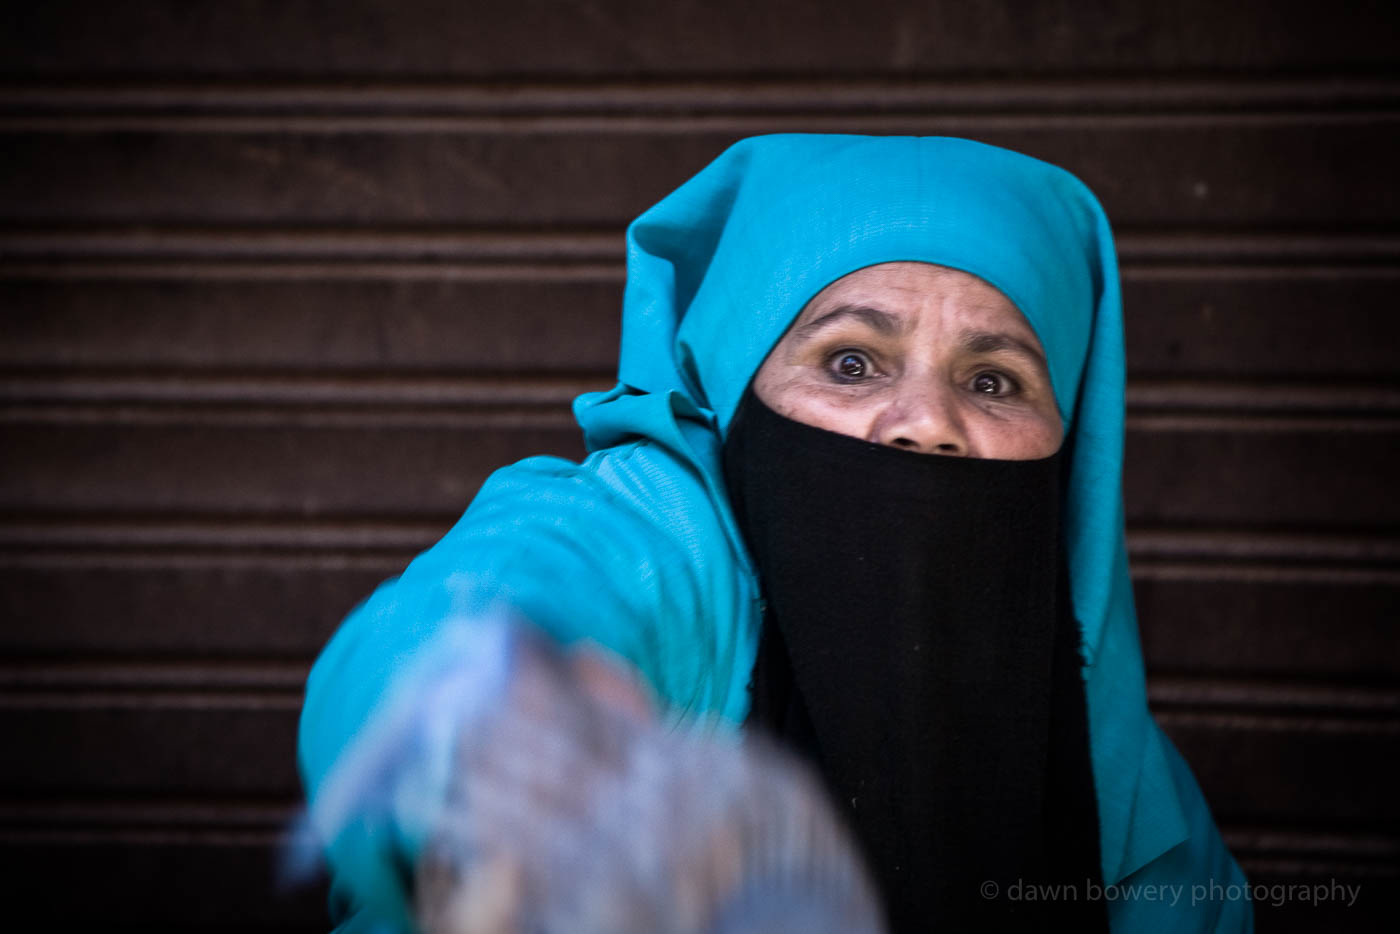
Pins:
x: 805, y: 395
x: 831, y: 409
x: 1027, y: 436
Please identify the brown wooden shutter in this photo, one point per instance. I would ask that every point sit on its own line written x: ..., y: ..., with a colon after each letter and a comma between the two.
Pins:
x: 281, y: 283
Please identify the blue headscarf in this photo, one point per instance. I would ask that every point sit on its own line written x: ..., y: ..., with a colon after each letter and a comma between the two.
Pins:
x: 636, y: 548
x: 719, y: 270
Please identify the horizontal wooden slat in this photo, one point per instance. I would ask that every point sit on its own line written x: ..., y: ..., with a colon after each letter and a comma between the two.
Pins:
x: 1230, y: 324
x: 232, y: 821
x: 427, y: 38
x: 1305, y: 899
x: 385, y: 466
x: 1330, y: 769
x: 238, y: 537
x: 1265, y: 471
x: 1308, y: 880
x: 92, y: 682
x: 550, y: 395
x: 1168, y: 695
x: 538, y: 247
x: 151, y: 250
x: 75, y: 682
x: 1339, y: 769
x: 235, y: 746
x: 211, y: 819
x: 215, y: 607
x: 205, y: 885
x: 410, y: 325
x: 1296, y: 171
x: 668, y: 98
x: 1284, y: 626
x: 185, y: 886
x: 1237, y: 325
x: 1158, y: 549
x: 1268, y: 473
x: 191, y: 600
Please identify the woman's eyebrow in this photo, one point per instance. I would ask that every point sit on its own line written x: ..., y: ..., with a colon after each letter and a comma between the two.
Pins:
x: 981, y: 342
x: 876, y: 319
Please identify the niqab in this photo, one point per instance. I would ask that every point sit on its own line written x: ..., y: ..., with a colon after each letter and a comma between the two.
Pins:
x: 919, y: 649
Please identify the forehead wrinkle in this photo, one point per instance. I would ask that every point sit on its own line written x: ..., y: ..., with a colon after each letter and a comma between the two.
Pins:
x: 876, y: 319
x: 981, y: 342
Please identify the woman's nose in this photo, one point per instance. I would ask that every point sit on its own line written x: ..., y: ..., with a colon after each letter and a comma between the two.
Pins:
x: 923, y: 418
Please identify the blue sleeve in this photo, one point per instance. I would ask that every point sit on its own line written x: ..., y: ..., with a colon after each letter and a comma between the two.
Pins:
x: 624, y: 551
x: 1196, y: 886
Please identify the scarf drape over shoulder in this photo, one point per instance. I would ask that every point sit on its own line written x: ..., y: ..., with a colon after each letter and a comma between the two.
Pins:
x: 636, y: 548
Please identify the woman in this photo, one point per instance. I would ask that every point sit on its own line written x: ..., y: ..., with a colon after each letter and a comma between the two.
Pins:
x: 702, y: 498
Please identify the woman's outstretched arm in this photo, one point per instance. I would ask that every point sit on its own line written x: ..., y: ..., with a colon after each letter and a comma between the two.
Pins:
x: 613, y: 551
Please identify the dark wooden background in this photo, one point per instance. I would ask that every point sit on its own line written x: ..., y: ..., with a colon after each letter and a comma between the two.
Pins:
x: 280, y: 282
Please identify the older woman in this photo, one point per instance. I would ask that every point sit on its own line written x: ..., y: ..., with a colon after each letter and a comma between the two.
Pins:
x: 859, y: 482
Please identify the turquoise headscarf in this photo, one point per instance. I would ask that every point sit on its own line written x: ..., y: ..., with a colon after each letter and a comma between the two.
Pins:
x: 636, y: 548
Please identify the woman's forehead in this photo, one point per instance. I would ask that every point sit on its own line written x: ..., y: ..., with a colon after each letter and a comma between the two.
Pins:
x: 904, y: 294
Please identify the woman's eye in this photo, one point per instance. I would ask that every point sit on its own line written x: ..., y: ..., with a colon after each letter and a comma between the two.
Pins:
x: 849, y: 365
x: 993, y: 384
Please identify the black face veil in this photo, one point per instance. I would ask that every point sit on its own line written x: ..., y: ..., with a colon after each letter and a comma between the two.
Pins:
x: 919, y: 648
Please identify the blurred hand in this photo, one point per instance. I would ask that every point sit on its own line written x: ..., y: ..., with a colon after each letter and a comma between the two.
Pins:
x: 570, y: 808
